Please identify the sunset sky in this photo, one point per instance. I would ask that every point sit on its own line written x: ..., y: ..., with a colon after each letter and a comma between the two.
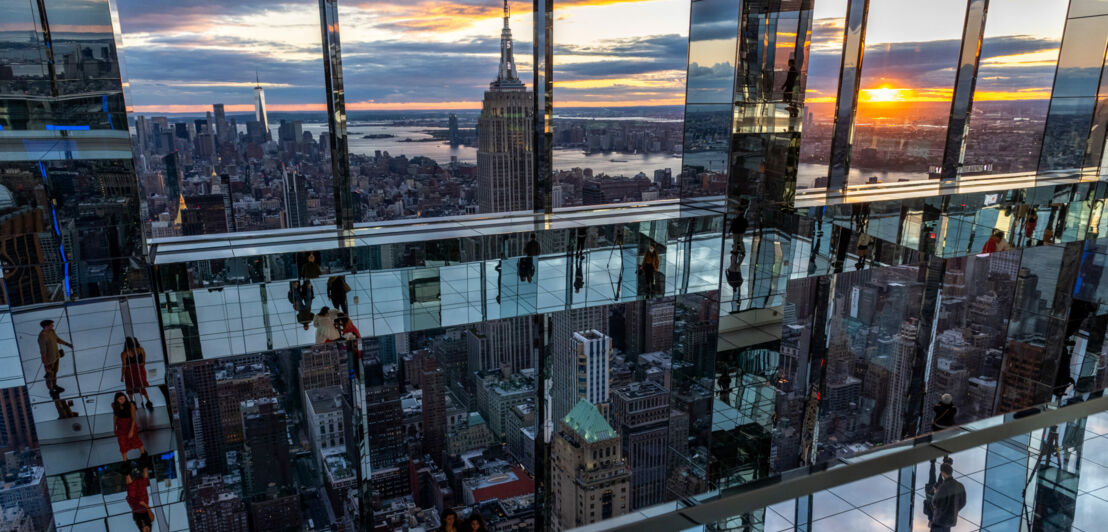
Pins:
x: 397, y: 54
x: 441, y: 54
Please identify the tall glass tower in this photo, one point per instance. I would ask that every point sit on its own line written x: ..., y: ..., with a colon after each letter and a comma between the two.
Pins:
x: 259, y: 105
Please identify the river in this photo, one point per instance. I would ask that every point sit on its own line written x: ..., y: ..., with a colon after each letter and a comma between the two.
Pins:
x: 609, y: 163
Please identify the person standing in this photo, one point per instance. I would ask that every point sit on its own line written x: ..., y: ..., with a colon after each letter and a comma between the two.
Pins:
x: 324, y: 322
x: 126, y: 425
x: 138, y: 498
x: 948, y: 499
x: 51, y: 355
x: 337, y: 290
x: 945, y: 412
x: 649, y: 269
x: 134, y: 370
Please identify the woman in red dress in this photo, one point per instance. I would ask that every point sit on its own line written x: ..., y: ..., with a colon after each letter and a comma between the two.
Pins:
x: 134, y: 370
x: 126, y: 425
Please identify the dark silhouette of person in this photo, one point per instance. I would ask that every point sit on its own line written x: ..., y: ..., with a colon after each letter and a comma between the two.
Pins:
x: 649, y: 268
x: 126, y: 425
x: 51, y: 355
x: 945, y: 412
x: 134, y: 370
x: 309, y: 269
x: 789, y: 87
x: 527, y: 264
x: 336, y: 291
x: 948, y: 499
x: 475, y: 523
x: 138, y: 498
x: 449, y: 520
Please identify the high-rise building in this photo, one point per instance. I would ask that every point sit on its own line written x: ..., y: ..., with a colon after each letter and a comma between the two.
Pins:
x: 583, y: 372
x: 266, y: 444
x: 504, y: 154
x: 384, y: 416
x: 501, y: 343
x: 590, y: 479
x: 453, y: 123
x: 296, y: 198
x: 17, y: 426
x: 641, y: 414
x: 260, y: 115
x: 434, y: 410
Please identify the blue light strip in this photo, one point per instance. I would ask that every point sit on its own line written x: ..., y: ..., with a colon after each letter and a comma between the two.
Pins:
x: 53, y: 127
x: 58, y: 233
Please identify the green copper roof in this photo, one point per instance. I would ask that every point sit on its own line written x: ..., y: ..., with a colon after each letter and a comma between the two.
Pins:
x: 475, y: 418
x: 587, y: 421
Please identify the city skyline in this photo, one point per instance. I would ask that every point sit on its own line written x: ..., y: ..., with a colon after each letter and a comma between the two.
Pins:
x: 391, y: 52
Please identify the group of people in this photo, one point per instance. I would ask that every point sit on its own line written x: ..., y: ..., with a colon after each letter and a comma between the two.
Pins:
x: 132, y: 368
x: 451, y: 522
x: 332, y: 323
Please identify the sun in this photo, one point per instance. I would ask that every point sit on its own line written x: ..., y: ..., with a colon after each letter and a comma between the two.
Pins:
x: 884, y: 94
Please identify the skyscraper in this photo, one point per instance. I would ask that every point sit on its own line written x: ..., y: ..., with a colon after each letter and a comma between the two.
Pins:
x: 583, y: 372
x: 504, y: 154
x: 296, y: 198
x: 641, y: 413
x: 267, y: 445
x: 590, y: 478
x: 434, y: 409
x: 259, y: 106
x: 454, y: 140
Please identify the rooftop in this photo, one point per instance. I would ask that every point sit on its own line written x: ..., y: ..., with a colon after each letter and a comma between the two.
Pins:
x: 586, y: 421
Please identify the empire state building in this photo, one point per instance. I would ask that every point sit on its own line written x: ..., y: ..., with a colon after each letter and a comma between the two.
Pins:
x: 504, y: 154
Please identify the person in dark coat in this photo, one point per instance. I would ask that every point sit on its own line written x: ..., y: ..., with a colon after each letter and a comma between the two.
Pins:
x: 948, y: 500
x: 336, y: 291
x: 945, y: 412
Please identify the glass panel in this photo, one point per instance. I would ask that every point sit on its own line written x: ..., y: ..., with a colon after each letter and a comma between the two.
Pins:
x: 821, y: 88
x: 1073, y: 101
x: 618, y: 92
x: 906, y: 85
x: 1019, y: 53
x: 216, y: 150
x: 429, y: 134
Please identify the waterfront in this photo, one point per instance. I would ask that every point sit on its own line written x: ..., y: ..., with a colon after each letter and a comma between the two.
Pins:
x: 626, y: 164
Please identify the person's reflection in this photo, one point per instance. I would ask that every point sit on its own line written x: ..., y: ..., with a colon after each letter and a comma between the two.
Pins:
x: 527, y: 264
x: 51, y: 354
x: 336, y: 291
x: 864, y: 241
x: 126, y: 425
x: 947, y: 499
x: 301, y: 294
x: 724, y: 382
x: 789, y: 88
x: 499, y: 269
x: 649, y: 269
x: 138, y: 497
x: 134, y: 370
x: 324, y: 322
x: 64, y: 406
x: 309, y: 267
x: 350, y: 333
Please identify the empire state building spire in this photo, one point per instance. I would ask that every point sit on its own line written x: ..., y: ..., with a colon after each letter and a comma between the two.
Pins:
x: 506, y: 77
